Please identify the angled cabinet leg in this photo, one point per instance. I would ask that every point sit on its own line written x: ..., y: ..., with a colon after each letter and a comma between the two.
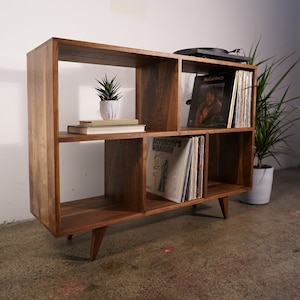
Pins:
x: 97, y: 236
x: 224, y: 206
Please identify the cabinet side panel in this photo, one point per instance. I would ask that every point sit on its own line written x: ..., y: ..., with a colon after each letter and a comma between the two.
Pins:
x: 157, y: 95
x: 41, y: 135
x: 125, y: 173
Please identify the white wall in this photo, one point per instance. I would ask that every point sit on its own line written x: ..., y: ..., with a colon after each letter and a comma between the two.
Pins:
x: 162, y: 25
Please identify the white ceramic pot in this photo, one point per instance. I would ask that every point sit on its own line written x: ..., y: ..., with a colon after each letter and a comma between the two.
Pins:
x: 261, y: 187
x: 109, y: 109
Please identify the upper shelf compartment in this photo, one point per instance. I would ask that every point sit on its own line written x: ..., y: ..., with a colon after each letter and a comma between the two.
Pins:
x: 94, y: 53
x: 191, y: 64
x: 157, y: 77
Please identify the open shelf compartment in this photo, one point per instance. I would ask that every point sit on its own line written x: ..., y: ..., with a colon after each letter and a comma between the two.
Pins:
x: 229, y: 161
x: 124, y: 195
x: 156, y: 86
x: 86, y: 214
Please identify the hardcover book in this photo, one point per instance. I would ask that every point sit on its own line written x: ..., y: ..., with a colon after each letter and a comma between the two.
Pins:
x: 82, y: 129
x: 108, y: 122
x: 211, y: 100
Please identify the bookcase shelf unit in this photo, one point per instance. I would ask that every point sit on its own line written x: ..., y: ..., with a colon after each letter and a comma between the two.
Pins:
x: 228, y: 156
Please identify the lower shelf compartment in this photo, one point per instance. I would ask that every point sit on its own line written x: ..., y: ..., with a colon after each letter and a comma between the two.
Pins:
x: 217, y: 189
x: 156, y: 204
x: 86, y: 214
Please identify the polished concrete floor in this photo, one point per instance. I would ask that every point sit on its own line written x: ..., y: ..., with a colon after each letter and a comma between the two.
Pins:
x: 187, y: 254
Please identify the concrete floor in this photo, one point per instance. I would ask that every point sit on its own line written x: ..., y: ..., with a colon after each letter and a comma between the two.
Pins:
x: 187, y: 254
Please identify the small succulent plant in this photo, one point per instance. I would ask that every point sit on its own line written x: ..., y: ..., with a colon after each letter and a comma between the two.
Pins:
x: 108, y: 90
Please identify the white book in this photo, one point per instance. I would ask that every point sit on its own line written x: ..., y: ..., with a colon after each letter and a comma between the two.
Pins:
x: 82, y: 129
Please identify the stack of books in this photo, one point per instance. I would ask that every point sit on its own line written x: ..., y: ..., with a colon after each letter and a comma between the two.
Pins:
x: 107, y: 126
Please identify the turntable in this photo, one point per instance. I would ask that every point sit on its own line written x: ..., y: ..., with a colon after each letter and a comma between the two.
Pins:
x: 215, y: 53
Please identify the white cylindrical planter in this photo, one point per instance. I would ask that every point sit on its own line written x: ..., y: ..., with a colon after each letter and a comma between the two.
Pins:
x: 261, y: 187
x: 109, y: 109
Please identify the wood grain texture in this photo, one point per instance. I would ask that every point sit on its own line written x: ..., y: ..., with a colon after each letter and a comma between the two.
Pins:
x: 158, y: 96
x: 97, y: 236
x: 228, y: 157
x: 125, y: 175
x: 42, y: 135
x: 224, y: 206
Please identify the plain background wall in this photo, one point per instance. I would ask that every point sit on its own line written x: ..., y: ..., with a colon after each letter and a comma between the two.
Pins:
x: 160, y: 25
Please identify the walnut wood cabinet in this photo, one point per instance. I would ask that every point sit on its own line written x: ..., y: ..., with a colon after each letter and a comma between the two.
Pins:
x: 228, y: 152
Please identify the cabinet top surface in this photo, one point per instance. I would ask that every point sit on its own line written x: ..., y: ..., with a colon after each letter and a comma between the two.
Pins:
x: 97, y: 53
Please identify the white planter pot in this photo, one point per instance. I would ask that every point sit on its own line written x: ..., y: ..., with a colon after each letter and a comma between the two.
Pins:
x: 261, y: 187
x: 109, y: 109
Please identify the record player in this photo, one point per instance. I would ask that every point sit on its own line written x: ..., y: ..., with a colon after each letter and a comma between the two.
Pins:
x: 215, y: 53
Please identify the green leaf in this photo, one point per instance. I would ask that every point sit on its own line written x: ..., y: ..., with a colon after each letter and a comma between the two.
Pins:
x: 273, y: 115
x: 108, y: 89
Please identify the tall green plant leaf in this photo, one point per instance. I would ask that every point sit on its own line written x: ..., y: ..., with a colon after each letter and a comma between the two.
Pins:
x: 273, y: 116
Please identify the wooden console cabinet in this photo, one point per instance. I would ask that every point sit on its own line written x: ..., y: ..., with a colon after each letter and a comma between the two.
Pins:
x: 228, y: 152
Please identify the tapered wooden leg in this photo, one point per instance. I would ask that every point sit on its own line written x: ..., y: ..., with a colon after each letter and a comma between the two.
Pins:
x: 97, y: 236
x: 70, y: 237
x: 224, y: 206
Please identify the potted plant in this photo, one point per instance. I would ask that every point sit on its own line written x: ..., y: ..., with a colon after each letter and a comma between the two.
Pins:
x: 109, y: 94
x: 272, y: 125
